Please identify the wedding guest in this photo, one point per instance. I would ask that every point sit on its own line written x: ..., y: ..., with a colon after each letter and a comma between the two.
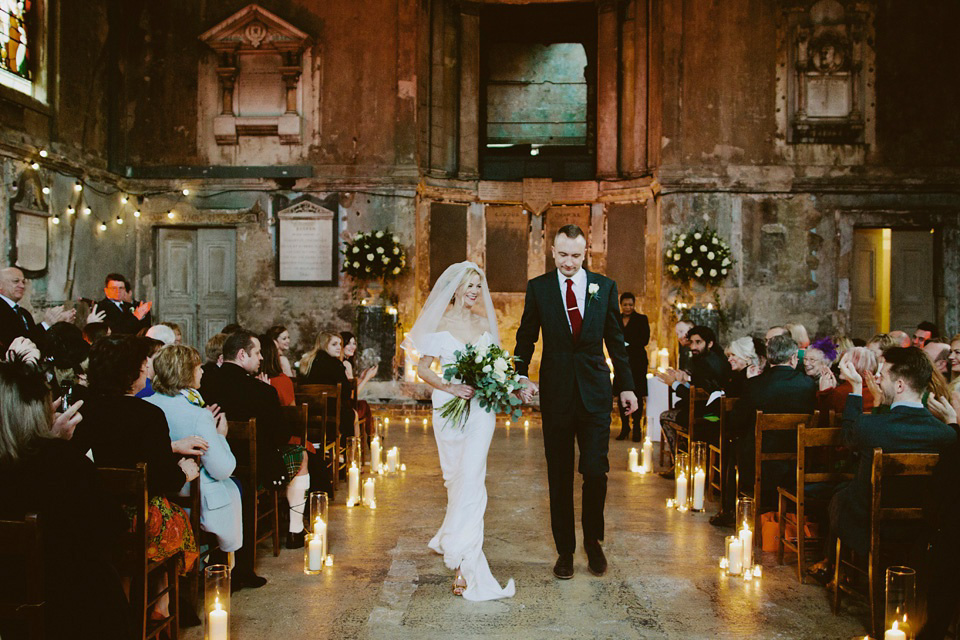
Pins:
x: 938, y: 350
x: 153, y: 346
x: 322, y: 365
x: 636, y: 335
x: 348, y: 355
x: 907, y: 428
x: 231, y: 328
x: 817, y: 366
x: 799, y: 334
x: 120, y: 315
x: 121, y: 430
x: 279, y: 335
x: 747, y: 357
x: 42, y: 473
x: 177, y: 375
x: 64, y: 356
x: 923, y: 333
x: 900, y: 338
x: 833, y: 396
x: 15, y: 321
x: 954, y: 359
x: 775, y: 331
x: 272, y: 368
x: 880, y: 343
x: 135, y: 304
x: 177, y: 332
x: 93, y: 331
x: 213, y: 352
x: 683, y: 345
x: 163, y: 333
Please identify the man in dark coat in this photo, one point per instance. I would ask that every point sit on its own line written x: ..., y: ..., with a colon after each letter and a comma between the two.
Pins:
x: 636, y: 335
x: 781, y: 388
x: 577, y: 313
x: 15, y: 321
x: 119, y: 315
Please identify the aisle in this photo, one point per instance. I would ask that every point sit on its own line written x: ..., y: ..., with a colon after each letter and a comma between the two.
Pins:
x: 663, y: 580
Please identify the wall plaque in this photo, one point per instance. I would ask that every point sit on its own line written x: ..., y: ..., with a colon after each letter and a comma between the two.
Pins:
x: 306, y: 244
x: 508, y: 233
x: 28, y: 221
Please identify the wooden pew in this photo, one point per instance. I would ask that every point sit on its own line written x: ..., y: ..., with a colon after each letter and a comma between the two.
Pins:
x: 21, y: 555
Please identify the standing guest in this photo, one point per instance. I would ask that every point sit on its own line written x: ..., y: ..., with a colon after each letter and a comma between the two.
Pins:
x: 779, y: 389
x: 322, y: 365
x: 15, y: 321
x: 348, y: 355
x: 242, y: 396
x: 938, y: 350
x: 93, y: 331
x: 923, y: 333
x: 833, y: 396
x: 636, y: 335
x: 177, y: 375
x: 177, y: 332
x: 707, y: 370
x: 900, y: 338
x: 134, y: 304
x: 272, y: 368
x: 163, y: 333
x: 279, y: 335
x: 907, y: 428
x: 41, y: 472
x: 120, y: 315
x: 747, y: 358
x: 121, y: 430
x: 65, y: 354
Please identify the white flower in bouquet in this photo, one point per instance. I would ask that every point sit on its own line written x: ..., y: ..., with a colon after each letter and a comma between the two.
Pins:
x: 669, y: 253
x: 368, y: 269
x: 356, y: 265
x: 689, y: 250
x: 723, y: 271
x: 674, y: 268
x: 711, y: 255
x: 703, y: 248
x: 693, y: 263
x: 699, y: 272
x: 396, y: 251
x: 379, y: 234
x: 713, y: 273
x: 379, y: 249
x: 358, y: 236
x: 369, y: 256
x: 386, y: 260
x: 726, y: 262
x: 696, y: 236
x: 713, y: 240
x: 500, y: 364
x: 680, y: 242
x: 487, y: 368
x: 356, y: 249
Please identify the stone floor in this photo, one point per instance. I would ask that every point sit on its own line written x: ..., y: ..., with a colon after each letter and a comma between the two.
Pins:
x: 663, y: 580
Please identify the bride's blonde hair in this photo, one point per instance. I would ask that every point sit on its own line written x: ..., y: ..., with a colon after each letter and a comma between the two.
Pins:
x: 469, y: 273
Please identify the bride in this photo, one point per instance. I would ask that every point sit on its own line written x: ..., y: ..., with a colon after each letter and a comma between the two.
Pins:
x: 450, y: 320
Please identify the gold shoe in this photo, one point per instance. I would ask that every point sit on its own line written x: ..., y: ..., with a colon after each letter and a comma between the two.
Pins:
x: 459, y: 584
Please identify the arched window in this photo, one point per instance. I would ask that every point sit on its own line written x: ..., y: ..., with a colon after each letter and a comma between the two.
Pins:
x: 17, y: 55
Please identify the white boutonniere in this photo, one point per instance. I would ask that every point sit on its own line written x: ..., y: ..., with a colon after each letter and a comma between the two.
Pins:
x: 593, y: 290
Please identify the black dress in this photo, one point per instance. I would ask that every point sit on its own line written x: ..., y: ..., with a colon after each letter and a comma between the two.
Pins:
x: 79, y: 526
x: 326, y: 369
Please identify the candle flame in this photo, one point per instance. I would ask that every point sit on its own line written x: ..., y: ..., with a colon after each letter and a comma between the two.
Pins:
x: 894, y: 627
x: 216, y: 604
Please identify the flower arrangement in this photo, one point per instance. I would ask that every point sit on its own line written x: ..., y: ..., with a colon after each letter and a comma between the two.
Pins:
x: 488, y: 369
x: 698, y: 255
x: 373, y: 255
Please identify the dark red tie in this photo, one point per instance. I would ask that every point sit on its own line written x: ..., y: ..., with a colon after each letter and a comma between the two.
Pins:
x: 573, y: 311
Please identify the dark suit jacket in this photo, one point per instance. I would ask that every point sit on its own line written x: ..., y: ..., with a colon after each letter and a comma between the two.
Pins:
x: 567, y: 365
x: 636, y: 335
x: 11, y: 326
x: 901, y: 430
x: 241, y: 397
x: 708, y: 372
x: 121, y: 320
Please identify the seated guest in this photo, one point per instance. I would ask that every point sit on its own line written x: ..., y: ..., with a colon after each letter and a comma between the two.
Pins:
x: 707, y: 370
x: 121, y: 430
x: 923, y: 333
x: 779, y: 389
x: 273, y: 369
x: 322, y: 365
x: 900, y: 338
x: 153, y: 346
x: 163, y: 333
x: 235, y: 389
x: 15, y: 321
x: 833, y: 396
x: 938, y: 350
x: 746, y: 361
x: 348, y: 356
x: 817, y: 366
x: 213, y: 352
x: 177, y: 332
x: 281, y: 337
x: 880, y: 343
x: 799, y: 334
x: 176, y: 378
x: 954, y: 359
x: 42, y: 473
x: 93, y: 331
x: 907, y: 428
x: 65, y: 355
x: 683, y: 344
x: 120, y: 315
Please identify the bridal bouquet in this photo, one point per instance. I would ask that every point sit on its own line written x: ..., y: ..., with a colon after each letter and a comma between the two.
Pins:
x: 489, y: 370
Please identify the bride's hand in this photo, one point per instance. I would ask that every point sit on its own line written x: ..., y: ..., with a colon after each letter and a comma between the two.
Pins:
x: 461, y: 391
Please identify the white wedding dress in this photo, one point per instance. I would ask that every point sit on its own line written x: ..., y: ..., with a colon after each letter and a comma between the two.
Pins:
x: 463, y: 459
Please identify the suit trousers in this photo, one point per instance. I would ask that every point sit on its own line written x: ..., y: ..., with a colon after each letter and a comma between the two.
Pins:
x: 591, y: 431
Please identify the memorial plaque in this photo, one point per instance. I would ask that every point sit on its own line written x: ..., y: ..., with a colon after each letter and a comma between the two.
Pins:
x: 31, y: 242
x: 557, y: 217
x: 28, y: 222
x: 448, y: 237
x: 626, y: 237
x: 537, y: 194
x: 488, y: 191
x: 306, y: 244
x: 508, y: 240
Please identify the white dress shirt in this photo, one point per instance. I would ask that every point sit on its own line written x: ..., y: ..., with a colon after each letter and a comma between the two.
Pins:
x: 579, y: 290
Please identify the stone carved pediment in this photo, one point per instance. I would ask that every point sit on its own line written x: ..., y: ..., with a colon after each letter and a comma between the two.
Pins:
x: 306, y: 209
x: 253, y: 30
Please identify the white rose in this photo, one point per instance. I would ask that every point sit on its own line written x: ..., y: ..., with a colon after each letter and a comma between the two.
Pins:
x: 674, y: 268
x: 693, y: 263
x: 696, y: 236
x: 680, y: 242
x: 358, y: 236
x: 379, y: 234
x: 356, y: 265
x: 669, y: 253
x: 723, y: 271
x: 713, y: 240
x: 478, y: 359
x: 356, y: 250
x: 386, y: 260
x: 703, y: 248
x: 379, y: 249
x: 500, y: 364
x: 368, y: 269
x: 726, y: 262
x: 396, y: 270
x: 369, y: 256
x: 593, y: 288
x: 396, y: 251
x: 689, y: 250
x: 393, y: 237
x: 699, y: 272
x: 487, y: 368
x: 713, y: 273
x: 711, y: 255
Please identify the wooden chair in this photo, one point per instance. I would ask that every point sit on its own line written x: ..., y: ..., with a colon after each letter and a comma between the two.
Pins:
x: 190, y: 503
x: 21, y: 554
x: 718, y: 452
x: 129, y: 488
x: 242, y: 437
x: 325, y: 406
x: 824, y: 440
x: 671, y: 400
x: 886, y: 470
x: 768, y: 423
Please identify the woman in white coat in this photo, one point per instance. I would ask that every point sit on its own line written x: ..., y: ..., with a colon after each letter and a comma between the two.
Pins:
x: 177, y: 374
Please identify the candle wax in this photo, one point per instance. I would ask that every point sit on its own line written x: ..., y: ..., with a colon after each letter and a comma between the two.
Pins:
x: 699, y: 482
x: 894, y: 633
x: 735, y: 557
x: 746, y: 537
x: 315, y: 553
x: 681, y: 490
x: 218, y: 620
x: 375, y: 455
x: 632, y: 460
x: 353, y: 485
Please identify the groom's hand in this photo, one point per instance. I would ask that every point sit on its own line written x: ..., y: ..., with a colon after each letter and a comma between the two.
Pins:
x: 529, y: 390
x: 629, y: 402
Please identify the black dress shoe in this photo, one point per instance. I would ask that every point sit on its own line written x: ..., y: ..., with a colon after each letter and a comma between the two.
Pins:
x: 295, y: 540
x: 723, y: 519
x: 563, y: 570
x: 245, y: 581
x: 596, y: 561
x: 624, y: 434
x: 637, y: 436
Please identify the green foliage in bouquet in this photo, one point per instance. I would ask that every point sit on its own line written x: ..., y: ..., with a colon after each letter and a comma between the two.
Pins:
x: 490, y: 370
x: 700, y: 255
x: 375, y: 255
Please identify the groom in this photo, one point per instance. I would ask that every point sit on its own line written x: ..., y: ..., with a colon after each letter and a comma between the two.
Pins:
x: 578, y: 312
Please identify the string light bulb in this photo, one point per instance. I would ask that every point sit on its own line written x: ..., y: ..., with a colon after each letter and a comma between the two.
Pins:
x: 170, y: 214
x: 43, y: 153
x: 86, y: 211
x: 35, y: 166
x: 46, y: 191
x: 103, y: 226
x: 56, y: 219
x: 185, y: 191
x: 136, y: 214
x: 77, y: 186
x: 124, y: 199
x: 119, y: 220
x: 71, y: 210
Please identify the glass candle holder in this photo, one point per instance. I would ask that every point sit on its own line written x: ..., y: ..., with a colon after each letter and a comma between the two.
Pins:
x: 633, y: 460
x: 354, y: 452
x: 901, y: 596
x: 319, y: 509
x: 216, y: 602
x: 698, y: 473
x: 376, y: 455
x: 733, y: 552
x: 393, y: 460
x: 646, y: 457
x: 682, y: 472
x: 745, y: 525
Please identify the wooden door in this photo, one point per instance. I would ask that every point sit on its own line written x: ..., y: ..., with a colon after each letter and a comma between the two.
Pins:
x: 911, y: 288
x: 866, y: 284
x: 196, y: 285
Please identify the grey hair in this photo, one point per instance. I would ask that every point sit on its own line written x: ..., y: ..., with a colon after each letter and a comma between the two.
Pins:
x: 780, y: 349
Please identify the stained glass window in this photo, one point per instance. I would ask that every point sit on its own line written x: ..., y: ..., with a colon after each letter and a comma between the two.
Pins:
x: 15, y: 54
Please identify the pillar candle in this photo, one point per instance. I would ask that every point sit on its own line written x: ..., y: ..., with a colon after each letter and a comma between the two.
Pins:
x: 315, y: 553
x: 664, y: 359
x: 894, y: 633
x: 735, y: 558
x: 392, y: 460
x: 647, y: 456
x: 353, y: 485
x: 632, y: 460
x: 699, y: 481
x: 217, y: 620
x: 681, y: 490
x: 368, y: 498
x: 375, y: 455
x: 746, y: 537
x: 320, y: 532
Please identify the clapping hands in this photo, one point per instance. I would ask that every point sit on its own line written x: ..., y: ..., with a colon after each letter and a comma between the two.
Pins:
x: 96, y: 315
x: 57, y: 314
x: 849, y: 373
x: 942, y: 409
